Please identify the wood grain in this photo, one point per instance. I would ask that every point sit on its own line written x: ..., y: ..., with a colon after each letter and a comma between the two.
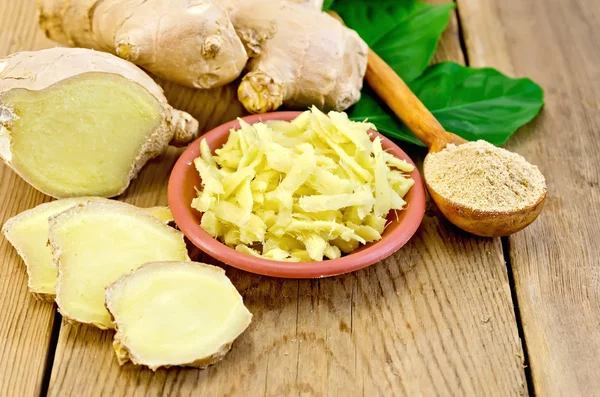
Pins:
x: 210, y: 107
x: 434, y: 319
x: 415, y: 324
x: 555, y: 261
x: 26, y: 324
x: 449, y: 48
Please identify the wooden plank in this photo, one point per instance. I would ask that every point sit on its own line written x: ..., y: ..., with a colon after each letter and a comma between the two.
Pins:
x: 434, y: 319
x: 25, y: 323
x: 556, y: 261
x: 449, y: 46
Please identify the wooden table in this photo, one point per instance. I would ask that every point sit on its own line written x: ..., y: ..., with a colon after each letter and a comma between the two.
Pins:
x: 448, y: 315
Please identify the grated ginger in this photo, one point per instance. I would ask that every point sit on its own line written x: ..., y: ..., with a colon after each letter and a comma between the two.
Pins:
x: 313, y: 188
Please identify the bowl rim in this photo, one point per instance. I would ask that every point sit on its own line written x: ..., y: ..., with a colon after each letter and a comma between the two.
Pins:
x: 365, y: 256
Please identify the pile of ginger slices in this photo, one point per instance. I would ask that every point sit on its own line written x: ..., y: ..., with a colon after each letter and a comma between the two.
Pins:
x: 116, y: 266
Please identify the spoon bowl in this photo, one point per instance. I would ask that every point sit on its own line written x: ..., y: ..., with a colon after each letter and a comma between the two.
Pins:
x: 486, y: 223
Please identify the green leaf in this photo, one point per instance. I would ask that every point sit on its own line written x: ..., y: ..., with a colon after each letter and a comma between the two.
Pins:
x: 327, y: 4
x: 472, y: 103
x: 477, y: 103
x: 404, y: 33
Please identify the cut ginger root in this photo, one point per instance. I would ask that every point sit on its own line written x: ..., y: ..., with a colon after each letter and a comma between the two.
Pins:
x: 94, y: 244
x: 175, y: 314
x: 28, y: 233
x: 76, y: 122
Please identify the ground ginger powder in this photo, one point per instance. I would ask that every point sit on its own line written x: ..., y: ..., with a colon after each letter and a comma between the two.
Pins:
x: 482, y: 176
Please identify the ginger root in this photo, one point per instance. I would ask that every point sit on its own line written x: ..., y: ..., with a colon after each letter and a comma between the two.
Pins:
x: 94, y: 244
x: 189, y: 42
x: 175, y: 313
x: 76, y: 122
x: 28, y: 233
x: 299, y: 55
x: 211, y: 107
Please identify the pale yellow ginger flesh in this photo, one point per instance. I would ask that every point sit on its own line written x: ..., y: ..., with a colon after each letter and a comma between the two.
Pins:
x: 96, y: 243
x: 28, y: 233
x: 76, y: 122
x: 305, y: 190
x: 175, y: 313
x: 162, y: 213
x: 81, y: 136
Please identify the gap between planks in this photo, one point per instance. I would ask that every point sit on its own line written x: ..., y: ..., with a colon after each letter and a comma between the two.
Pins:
x: 515, y: 300
x: 461, y: 36
x: 504, y: 240
x: 51, y: 352
x: 554, y: 261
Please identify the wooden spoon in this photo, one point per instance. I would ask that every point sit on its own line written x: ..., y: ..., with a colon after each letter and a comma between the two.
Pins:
x: 404, y: 103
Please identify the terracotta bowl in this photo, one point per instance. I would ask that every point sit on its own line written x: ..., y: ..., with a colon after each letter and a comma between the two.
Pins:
x: 184, y: 178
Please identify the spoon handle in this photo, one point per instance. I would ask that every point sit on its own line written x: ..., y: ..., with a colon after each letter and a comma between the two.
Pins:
x: 398, y: 96
x: 404, y: 103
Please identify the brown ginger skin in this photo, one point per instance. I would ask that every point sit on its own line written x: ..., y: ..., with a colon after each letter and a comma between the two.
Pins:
x: 299, y: 57
x: 125, y: 355
x: 192, y: 43
x: 37, y: 70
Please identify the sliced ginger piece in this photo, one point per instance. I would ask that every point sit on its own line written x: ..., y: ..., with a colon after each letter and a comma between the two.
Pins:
x: 175, y: 313
x: 96, y: 243
x: 163, y: 214
x: 75, y: 122
x: 28, y: 233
